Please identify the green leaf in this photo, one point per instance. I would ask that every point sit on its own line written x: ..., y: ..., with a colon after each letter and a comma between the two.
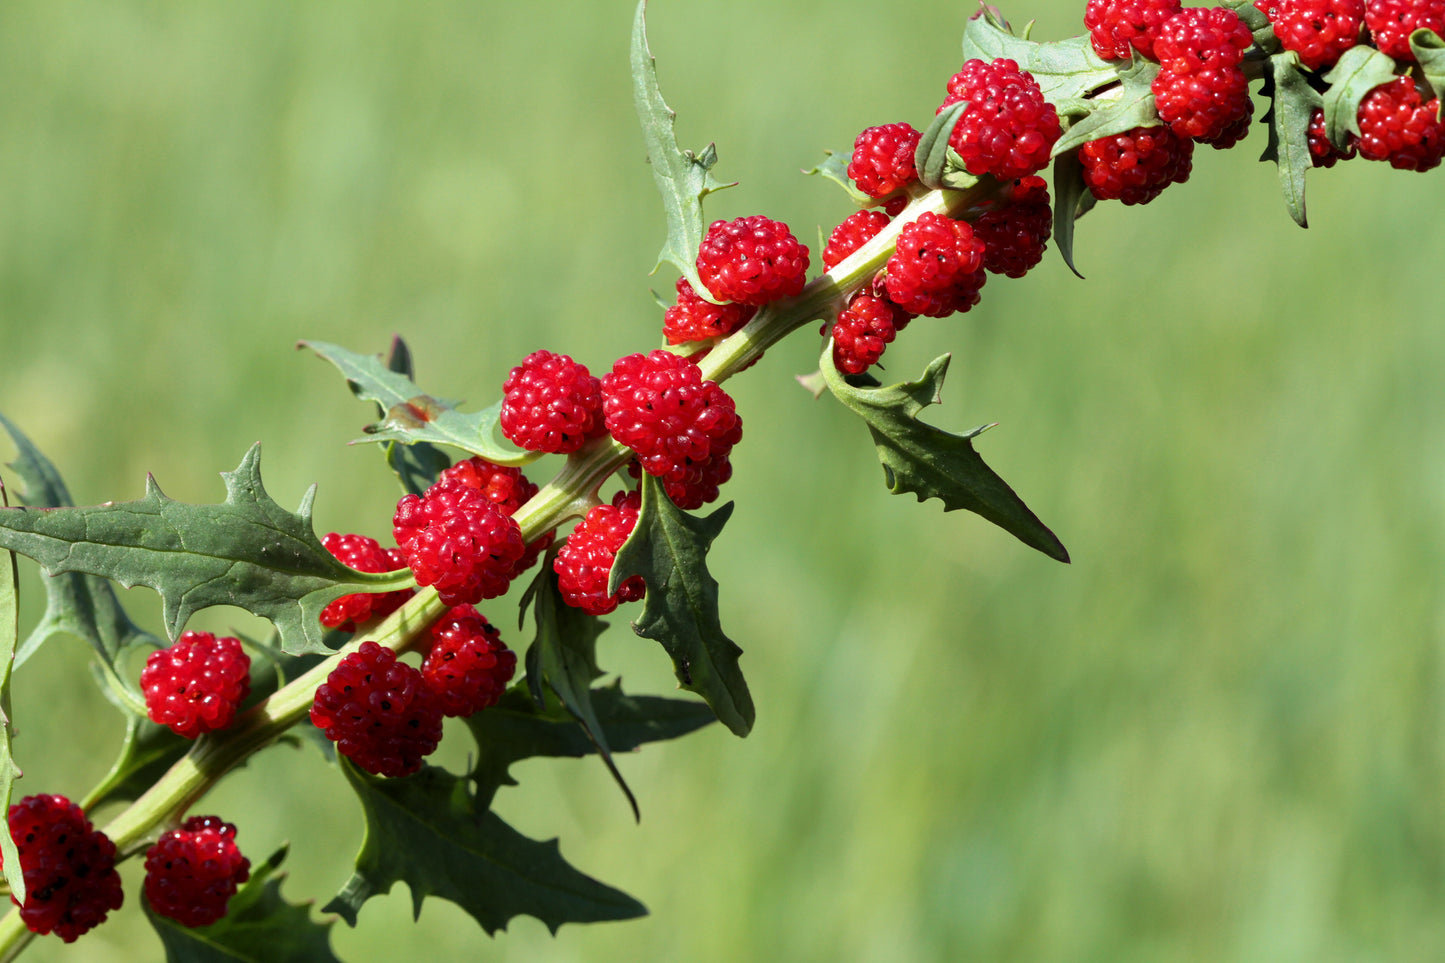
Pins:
x: 683, y: 177
x: 1064, y: 69
x: 1257, y: 21
x: 1072, y: 198
x: 668, y: 548
x: 1429, y: 51
x: 1292, y: 101
x: 80, y: 605
x: 410, y: 416
x: 932, y: 463
x: 260, y: 925
x: 425, y: 830
x: 419, y: 464
x: 9, y: 772
x: 1360, y: 70
x: 246, y: 551
x: 566, y: 658
x: 835, y: 169
x: 1132, y: 107
x: 930, y: 157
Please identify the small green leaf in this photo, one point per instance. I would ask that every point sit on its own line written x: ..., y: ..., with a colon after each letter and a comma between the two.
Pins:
x: 260, y: 926
x: 668, y: 548
x: 835, y: 169
x: 425, y: 830
x: 930, y: 158
x: 1429, y: 51
x: 1072, y: 198
x: 1132, y: 107
x: 932, y: 463
x: 1292, y: 101
x: 683, y: 177
x: 411, y: 416
x: 9, y: 772
x: 1064, y: 69
x: 1360, y: 70
x: 246, y: 551
x: 1257, y: 21
x: 566, y: 646
x: 419, y: 464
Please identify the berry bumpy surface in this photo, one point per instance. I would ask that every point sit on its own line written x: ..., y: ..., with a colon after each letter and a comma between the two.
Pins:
x: 856, y: 230
x: 882, y: 160
x: 1320, y: 31
x: 192, y: 872
x: 468, y: 666
x: 508, y: 489
x: 365, y: 555
x: 696, y: 319
x: 1201, y: 91
x: 937, y: 267
x: 1016, y: 234
x: 1392, y: 21
x: 551, y: 403
x: 457, y: 539
x: 752, y: 260
x: 380, y: 712
x: 584, y: 563
x: 69, y: 867
x: 862, y: 330
x: 1135, y: 166
x: 195, y: 685
x: 1118, y: 26
x: 1399, y: 126
x: 1008, y: 128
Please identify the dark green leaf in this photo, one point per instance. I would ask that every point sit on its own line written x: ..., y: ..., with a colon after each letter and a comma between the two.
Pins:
x: 1064, y: 69
x: 259, y: 926
x: 426, y: 831
x: 419, y: 464
x: 835, y: 169
x: 932, y: 463
x: 1132, y: 106
x: 1292, y: 101
x: 668, y: 548
x: 246, y: 551
x: 683, y: 178
x: 1429, y: 51
x: 410, y: 416
x: 1360, y: 70
x: 9, y: 772
x: 931, y: 156
x: 518, y: 728
x: 1071, y: 198
x: 1257, y: 21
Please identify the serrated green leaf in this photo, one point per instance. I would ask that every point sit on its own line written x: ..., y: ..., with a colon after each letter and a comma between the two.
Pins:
x: 930, y: 157
x: 81, y: 605
x: 1429, y: 51
x: 426, y: 831
x: 668, y: 548
x: 418, y: 464
x: 933, y: 463
x: 412, y: 416
x: 1064, y: 69
x: 683, y: 177
x: 835, y: 168
x: 1132, y: 107
x: 246, y: 551
x: 260, y: 926
x: 1292, y: 101
x: 566, y: 646
x: 518, y: 728
x: 1071, y: 198
x: 1360, y: 70
x: 9, y: 772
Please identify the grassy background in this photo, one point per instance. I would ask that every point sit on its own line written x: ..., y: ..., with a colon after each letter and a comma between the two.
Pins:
x: 1216, y: 735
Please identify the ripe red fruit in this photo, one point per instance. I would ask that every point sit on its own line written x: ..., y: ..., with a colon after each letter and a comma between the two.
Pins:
x: 696, y: 319
x: 1399, y: 126
x: 584, y: 563
x: 1323, y: 152
x: 1008, y: 128
x: 752, y: 260
x: 467, y: 666
x: 937, y: 267
x: 365, y: 555
x: 508, y: 489
x: 856, y: 230
x: 882, y: 160
x: 1318, y: 30
x: 1135, y: 166
x: 1016, y: 234
x: 192, y: 872
x: 457, y: 539
x: 380, y: 712
x: 1117, y: 26
x: 1201, y: 91
x: 194, y: 685
x: 551, y: 404
x: 1392, y: 21
x: 862, y: 330
x: 69, y: 867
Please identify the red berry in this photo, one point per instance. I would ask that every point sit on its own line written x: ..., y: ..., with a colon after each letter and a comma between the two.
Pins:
x: 882, y: 160
x: 856, y: 230
x: 380, y: 712
x: 1392, y: 21
x: 1323, y: 152
x: 1399, y: 126
x: 1135, y: 166
x: 937, y: 267
x: 1116, y: 26
x: 1318, y: 30
x: 752, y: 260
x: 1016, y: 234
x: 195, y: 685
x: 1008, y: 128
x: 584, y: 563
x: 862, y: 330
x: 508, y: 489
x: 458, y: 540
x: 1201, y: 91
x: 658, y: 405
x: 365, y: 555
x: 551, y: 404
x: 696, y: 319
x: 69, y: 867
x: 192, y: 872
x: 468, y: 666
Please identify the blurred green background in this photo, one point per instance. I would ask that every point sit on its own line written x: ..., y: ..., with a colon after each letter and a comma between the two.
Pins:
x: 1215, y: 736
